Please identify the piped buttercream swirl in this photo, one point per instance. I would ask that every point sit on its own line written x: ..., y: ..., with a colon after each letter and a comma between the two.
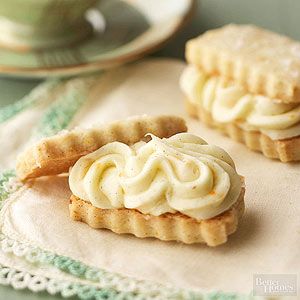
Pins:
x: 177, y: 174
x: 231, y: 103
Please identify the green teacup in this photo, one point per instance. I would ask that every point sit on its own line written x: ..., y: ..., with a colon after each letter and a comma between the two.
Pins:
x: 38, y: 24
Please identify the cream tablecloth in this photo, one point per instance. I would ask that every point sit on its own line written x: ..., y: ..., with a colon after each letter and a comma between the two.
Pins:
x: 268, y: 237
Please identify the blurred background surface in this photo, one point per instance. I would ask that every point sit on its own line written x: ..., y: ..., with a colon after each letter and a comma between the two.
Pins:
x: 277, y: 15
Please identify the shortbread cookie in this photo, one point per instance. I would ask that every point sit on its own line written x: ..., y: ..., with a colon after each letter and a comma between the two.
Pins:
x: 177, y: 188
x: 285, y: 150
x: 56, y: 154
x: 261, y: 61
x: 167, y: 227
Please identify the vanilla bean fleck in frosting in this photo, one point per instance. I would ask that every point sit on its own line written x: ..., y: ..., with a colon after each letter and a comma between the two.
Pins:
x: 177, y: 174
x: 231, y: 103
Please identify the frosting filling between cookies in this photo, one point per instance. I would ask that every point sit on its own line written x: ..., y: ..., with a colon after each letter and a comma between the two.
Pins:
x: 231, y: 103
x: 177, y: 174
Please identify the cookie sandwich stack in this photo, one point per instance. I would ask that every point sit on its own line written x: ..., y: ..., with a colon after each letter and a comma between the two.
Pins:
x: 245, y: 81
x: 146, y: 176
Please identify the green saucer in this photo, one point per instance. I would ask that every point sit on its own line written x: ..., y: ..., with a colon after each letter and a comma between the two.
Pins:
x: 122, y: 31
